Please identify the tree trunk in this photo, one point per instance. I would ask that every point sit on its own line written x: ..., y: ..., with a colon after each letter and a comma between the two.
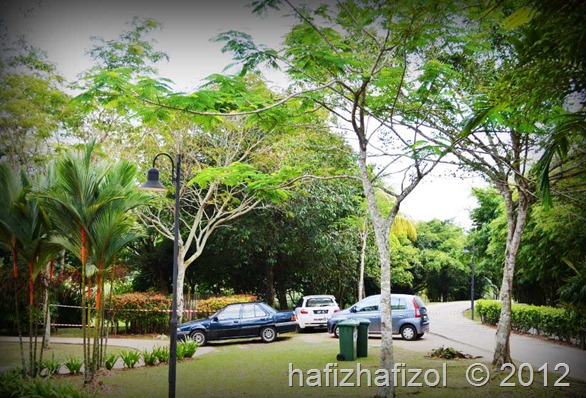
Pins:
x: 516, y: 212
x: 181, y: 268
x: 363, y: 238
x: 381, y: 233
x: 46, y: 309
x: 270, y: 284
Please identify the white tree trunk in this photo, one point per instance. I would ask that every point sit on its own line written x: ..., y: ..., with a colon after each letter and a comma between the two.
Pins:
x: 363, y: 239
x: 516, y: 218
x: 381, y: 233
x: 180, y: 281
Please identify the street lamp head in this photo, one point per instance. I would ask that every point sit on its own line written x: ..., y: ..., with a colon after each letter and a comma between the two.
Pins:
x: 153, y: 183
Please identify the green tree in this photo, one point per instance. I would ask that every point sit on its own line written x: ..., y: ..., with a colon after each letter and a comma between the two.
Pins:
x: 361, y: 61
x: 32, y: 105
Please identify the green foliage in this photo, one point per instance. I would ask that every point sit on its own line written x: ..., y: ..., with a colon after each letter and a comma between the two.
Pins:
x: 32, y: 104
x: 444, y: 270
x: 13, y: 385
x: 111, y: 361
x: 74, y: 365
x: 548, y: 321
x: 130, y: 358
x: 145, y: 312
x: 162, y: 354
x: 180, y: 353
x: 266, y: 186
x: 51, y: 366
x: 188, y: 347
x: 212, y: 305
x: 150, y: 357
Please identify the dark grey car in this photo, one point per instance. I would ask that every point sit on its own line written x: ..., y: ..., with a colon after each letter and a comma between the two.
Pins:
x: 410, y: 318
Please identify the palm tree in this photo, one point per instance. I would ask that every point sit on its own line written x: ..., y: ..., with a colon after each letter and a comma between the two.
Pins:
x: 12, y: 192
x: 26, y: 228
x: 89, y: 203
x: 111, y: 231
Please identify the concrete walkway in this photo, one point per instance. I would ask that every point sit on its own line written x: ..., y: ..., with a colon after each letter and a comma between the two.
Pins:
x: 474, y: 338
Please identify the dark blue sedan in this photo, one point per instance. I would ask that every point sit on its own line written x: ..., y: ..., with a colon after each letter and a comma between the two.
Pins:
x: 240, y: 320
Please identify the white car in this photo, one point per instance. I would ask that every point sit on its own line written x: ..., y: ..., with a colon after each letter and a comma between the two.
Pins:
x: 314, y: 311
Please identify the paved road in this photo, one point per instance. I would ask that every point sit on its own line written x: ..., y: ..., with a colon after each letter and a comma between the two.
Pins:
x: 474, y: 338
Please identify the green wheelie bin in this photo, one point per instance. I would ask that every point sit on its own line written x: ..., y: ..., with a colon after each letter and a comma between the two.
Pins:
x: 348, y: 332
x: 362, y: 340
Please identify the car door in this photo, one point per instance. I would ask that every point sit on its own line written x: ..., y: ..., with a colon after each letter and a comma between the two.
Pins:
x: 399, y: 311
x: 252, y: 320
x: 369, y: 308
x: 226, y: 323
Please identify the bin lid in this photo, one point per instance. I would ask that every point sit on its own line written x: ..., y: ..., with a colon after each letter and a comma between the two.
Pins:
x: 349, y: 322
x: 362, y: 321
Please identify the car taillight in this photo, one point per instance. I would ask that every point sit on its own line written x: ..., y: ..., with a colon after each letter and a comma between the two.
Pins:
x: 293, y: 318
x: 304, y: 312
x: 417, y: 313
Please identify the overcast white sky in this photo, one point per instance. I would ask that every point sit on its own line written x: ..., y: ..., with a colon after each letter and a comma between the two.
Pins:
x: 63, y: 29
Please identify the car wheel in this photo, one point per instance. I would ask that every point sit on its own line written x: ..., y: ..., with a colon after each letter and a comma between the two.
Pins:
x: 199, y: 337
x: 336, y: 331
x: 268, y: 335
x: 408, y: 332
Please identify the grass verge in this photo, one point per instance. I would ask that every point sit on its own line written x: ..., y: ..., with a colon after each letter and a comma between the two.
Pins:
x: 254, y: 369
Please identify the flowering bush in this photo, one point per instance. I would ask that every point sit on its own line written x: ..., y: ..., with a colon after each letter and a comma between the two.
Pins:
x: 212, y: 305
x: 142, y: 312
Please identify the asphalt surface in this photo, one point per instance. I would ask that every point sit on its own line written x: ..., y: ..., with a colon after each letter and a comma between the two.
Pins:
x: 474, y: 338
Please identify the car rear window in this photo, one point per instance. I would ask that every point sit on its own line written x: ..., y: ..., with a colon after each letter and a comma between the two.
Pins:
x: 319, y: 302
x: 419, y: 302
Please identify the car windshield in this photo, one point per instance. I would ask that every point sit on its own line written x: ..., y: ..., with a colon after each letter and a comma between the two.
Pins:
x: 319, y: 302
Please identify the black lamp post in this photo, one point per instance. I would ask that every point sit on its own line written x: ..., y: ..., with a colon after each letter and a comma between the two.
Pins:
x: 472, y: 281
x: 153, y: 184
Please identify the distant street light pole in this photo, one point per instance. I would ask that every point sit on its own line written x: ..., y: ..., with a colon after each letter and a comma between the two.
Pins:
x: 154, y: 184
x: 472, y: 281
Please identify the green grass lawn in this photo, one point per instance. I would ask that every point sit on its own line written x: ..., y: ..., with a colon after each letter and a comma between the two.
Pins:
x: 255, y: 369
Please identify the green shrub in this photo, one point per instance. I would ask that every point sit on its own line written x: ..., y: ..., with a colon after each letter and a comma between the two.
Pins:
x: 162, y: 354
x: 130, y: 358
x: 51, y: 366
x: 150, y: 358
x: 548, y: 321
x: 189, y: 347
x: 111, y: 361
x: 74, y: 365
x: 180, y: 351
x: 13, y: 385
x: 212, y: 305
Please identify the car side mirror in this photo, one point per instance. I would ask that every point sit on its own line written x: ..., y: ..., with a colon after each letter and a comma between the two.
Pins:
x: 352, y: 309
x: 215, y: 319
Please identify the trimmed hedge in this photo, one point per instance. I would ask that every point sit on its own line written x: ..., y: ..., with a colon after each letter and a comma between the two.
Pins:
x: 547, y: 321
x: 142, y: 312
x: 212, y: 305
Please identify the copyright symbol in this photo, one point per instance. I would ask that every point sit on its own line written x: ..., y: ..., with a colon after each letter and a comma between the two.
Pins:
x: 477, y: 374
